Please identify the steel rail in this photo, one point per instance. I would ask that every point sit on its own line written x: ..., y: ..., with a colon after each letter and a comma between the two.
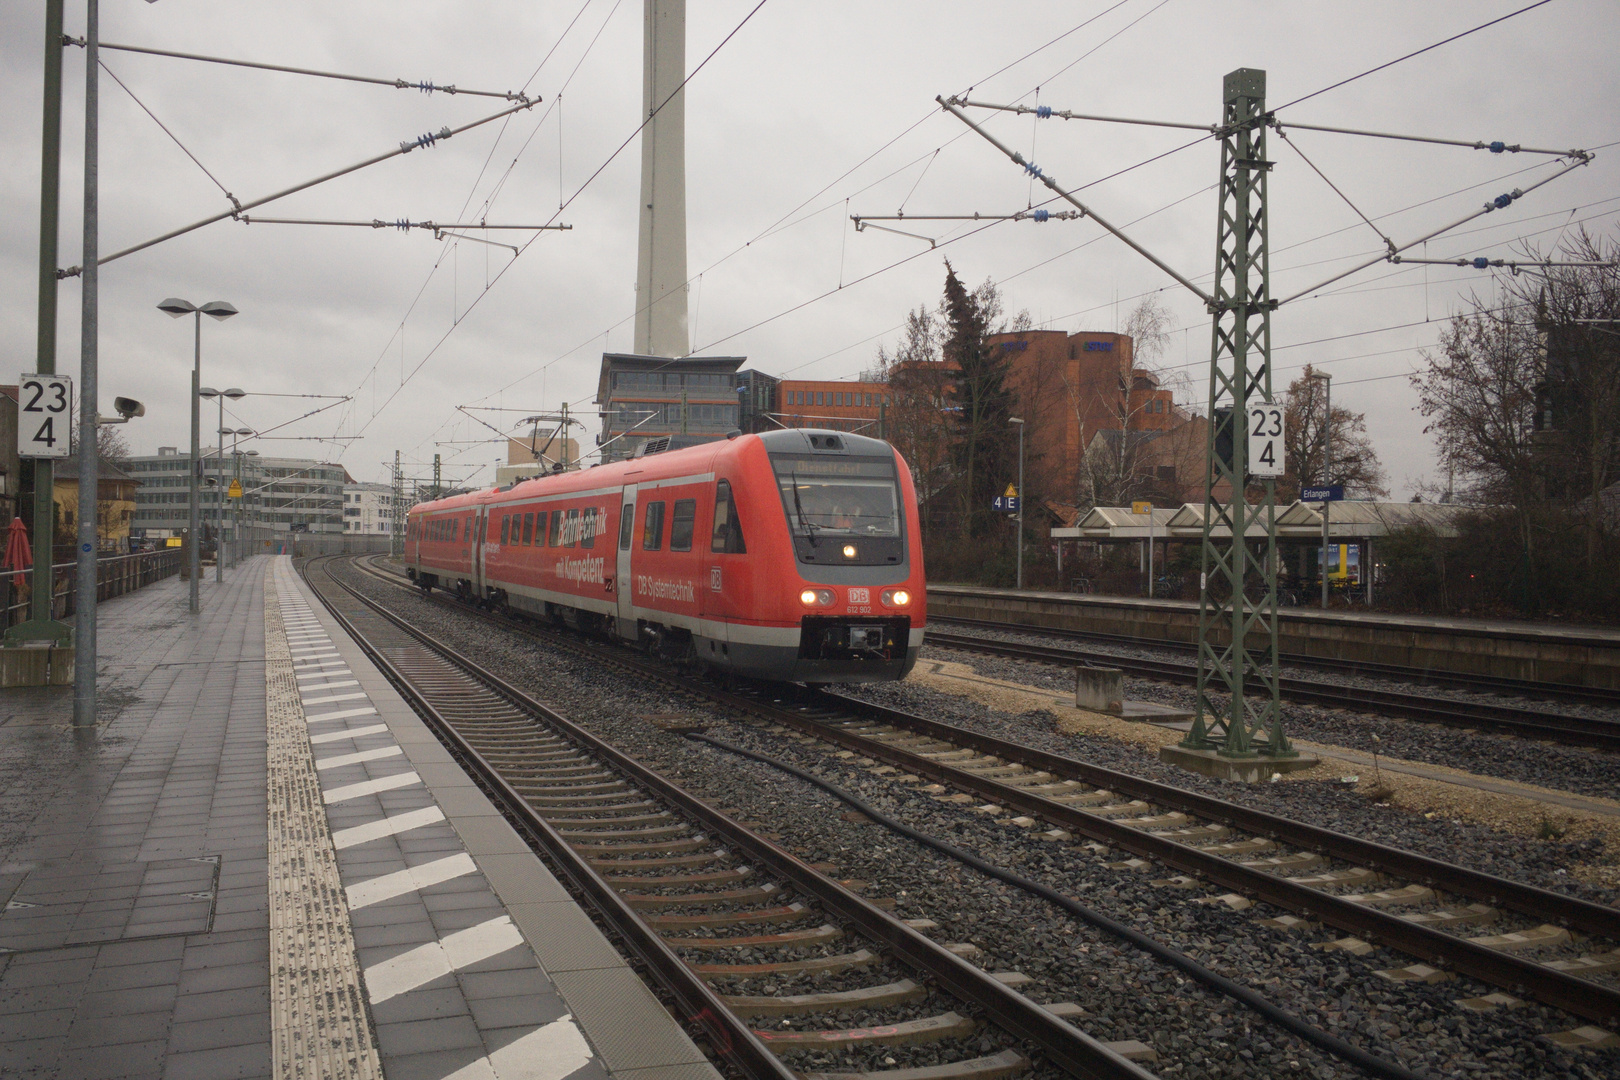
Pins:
x: 1596, y: 919
x: 1495, y: 684
x: 1574, y: 730
x: 729, y: 1035
x: 1066, y: 1045
x: 1525, y: 978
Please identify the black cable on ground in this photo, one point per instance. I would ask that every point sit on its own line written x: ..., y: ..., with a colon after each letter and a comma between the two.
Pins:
x: 1332, y: 1044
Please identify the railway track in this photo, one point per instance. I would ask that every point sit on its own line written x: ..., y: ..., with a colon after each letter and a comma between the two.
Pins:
x: 1475, y: 715
x: 695, y: 895
x: 1481, y: 684
x: 1563, y: 952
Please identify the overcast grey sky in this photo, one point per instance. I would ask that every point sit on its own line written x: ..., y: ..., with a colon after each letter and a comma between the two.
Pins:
x: 810, y: 113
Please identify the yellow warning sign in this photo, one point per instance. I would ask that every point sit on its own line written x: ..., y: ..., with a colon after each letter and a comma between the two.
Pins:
x: 236, y: 490
x: 1011, y: 492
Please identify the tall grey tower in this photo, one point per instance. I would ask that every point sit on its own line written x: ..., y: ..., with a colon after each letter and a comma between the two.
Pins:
x: 661, y: 326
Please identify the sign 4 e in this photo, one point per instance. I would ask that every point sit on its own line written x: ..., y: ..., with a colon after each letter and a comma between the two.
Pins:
x: 1266, y: 440
x: 44, y: 416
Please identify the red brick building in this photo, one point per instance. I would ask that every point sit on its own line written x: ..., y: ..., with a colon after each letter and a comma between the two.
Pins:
x: 843, y: 406
x: 1071, y: 388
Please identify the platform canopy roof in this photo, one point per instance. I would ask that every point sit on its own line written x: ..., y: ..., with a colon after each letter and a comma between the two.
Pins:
x: 1347, y: 521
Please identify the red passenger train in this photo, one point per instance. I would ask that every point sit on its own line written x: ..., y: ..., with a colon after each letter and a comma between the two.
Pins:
x: 790, y: 555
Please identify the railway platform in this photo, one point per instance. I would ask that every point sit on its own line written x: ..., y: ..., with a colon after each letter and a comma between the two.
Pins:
x: 1541, y: 652
x: 262, y: 863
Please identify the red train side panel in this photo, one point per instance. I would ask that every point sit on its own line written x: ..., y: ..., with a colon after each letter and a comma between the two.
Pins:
x: 789, y: 555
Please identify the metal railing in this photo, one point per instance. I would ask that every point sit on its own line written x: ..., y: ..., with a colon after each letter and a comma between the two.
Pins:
x: 115, y: 576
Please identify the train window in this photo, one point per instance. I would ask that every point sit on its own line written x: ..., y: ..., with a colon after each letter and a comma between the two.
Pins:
x: 556, y: 528
x: 680, y: 525
x: 652, y: 536
x: 572, y: 529
x: 727, y: 534
x: 627, y: 524
x: 528, y: 528
x: 540, y: 529
x: 587, y: 527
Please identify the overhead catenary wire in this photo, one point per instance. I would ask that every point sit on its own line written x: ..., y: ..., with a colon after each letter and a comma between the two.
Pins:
x: 1034, y: 170
x: 1283, y: 135
x: 1499, y: 203
x: 779, y: 225
x: 595, y: 336
x: 402, y: 224
x: 1297, y: 244
x: 1046, y: 112
x: 426, y: 86
x: 1414, y: 53
x: 1570, y: 159
x: 770, y: 230
x: 403, y: 148
x: 183, y: 148
x: 587, y: 183
x: 489, y: 199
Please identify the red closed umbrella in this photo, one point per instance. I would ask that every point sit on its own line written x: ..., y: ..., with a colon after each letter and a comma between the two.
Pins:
x: 18, y: 554
x: 18, y: 558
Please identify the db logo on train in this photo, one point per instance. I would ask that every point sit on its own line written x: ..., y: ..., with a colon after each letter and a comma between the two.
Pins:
x: 860, y: 596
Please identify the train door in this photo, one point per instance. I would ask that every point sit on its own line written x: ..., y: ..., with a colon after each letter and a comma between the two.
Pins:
x: 623, y: 584
x: 480, y: 522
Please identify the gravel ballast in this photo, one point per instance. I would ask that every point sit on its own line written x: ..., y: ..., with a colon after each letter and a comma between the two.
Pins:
x: 1128, y: 995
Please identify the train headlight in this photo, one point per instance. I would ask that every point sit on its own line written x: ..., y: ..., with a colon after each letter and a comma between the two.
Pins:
x: 896, y: 597
x: 849, y: 551
x: 816, y: 597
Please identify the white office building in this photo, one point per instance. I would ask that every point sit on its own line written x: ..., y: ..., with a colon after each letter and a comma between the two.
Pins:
x: 279, y: 494
x: 368, y: 508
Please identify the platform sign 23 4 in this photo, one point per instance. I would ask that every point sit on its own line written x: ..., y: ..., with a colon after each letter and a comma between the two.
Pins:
x: 1266, y: 440
x: 44, y: 416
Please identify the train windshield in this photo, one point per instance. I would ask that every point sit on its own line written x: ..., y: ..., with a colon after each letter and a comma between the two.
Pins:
x: 838, y: 496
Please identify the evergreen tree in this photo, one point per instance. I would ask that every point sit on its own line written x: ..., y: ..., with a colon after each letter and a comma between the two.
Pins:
x: 985, y: 448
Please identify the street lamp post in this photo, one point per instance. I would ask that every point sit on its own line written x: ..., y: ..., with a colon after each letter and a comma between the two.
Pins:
x: 236, y: 459
x: 239, y: 455
x: 84, y: 571
x: 235, y: 394
x: 1019, y: 421
x: 215, y: 309
x: 1327, y: 465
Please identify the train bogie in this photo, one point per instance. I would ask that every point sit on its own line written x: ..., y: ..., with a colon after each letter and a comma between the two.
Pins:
x: 791, y: 555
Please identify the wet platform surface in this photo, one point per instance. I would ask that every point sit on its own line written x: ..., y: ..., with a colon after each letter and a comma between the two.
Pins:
x: 262, y: 863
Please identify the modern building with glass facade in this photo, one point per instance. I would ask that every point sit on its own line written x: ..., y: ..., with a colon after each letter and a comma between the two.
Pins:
x: 654, y: 397
x: 279, y: 494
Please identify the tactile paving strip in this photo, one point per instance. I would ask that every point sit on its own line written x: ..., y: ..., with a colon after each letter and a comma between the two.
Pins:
x: 319, y: 1024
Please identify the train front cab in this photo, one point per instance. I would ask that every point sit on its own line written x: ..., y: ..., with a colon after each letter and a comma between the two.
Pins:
x: 852, y: 609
